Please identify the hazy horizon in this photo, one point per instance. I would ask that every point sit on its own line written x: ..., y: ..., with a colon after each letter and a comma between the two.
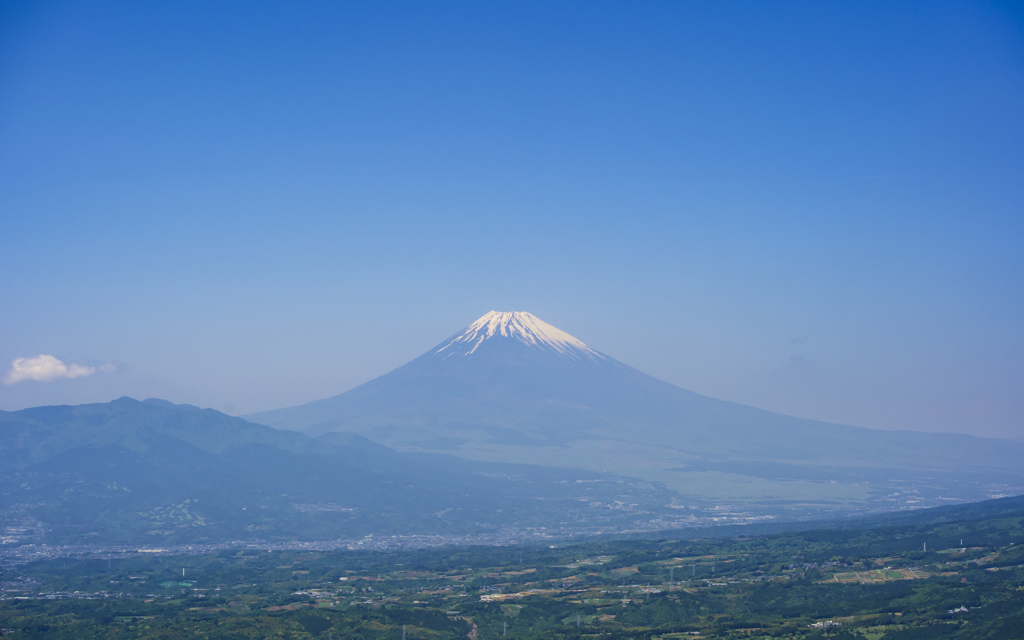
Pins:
x: 810, y: 209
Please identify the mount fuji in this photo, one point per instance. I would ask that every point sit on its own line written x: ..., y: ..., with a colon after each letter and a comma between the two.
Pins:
x: 510, y: 387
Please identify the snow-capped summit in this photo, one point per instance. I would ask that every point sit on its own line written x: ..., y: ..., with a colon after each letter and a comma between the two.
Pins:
x: 516, y: 325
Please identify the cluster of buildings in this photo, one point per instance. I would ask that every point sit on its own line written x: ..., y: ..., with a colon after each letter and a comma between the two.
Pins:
x: 825, y: 624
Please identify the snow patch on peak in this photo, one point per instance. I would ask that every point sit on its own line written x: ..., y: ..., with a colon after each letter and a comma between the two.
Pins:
x: 522, y: 326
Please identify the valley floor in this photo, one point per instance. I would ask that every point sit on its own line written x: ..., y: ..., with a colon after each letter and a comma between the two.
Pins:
x: 872, y: 584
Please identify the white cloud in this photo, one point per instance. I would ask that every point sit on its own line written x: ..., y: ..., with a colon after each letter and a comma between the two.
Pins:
x: 44, y: 368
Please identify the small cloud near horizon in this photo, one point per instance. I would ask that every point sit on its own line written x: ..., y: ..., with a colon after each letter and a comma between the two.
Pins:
x: 44, y: 368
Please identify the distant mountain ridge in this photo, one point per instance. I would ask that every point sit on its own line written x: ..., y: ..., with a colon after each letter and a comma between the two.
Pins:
x: 33, y: 435
x: 509, y: 378
x: 152, y: 471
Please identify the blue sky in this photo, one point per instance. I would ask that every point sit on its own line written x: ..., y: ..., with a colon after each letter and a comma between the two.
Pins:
x: 814, y: 208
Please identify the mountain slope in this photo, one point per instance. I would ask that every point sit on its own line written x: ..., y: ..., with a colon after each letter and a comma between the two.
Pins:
x: 151, y: 471
x: 32, y: 435
x: 511, y: 379
x: 510, y: 387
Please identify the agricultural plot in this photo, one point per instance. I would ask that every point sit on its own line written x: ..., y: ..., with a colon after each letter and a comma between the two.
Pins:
x: 878, y: 576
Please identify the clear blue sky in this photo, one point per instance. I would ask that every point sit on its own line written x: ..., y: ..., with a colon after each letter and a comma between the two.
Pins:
x: 815, y: 208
